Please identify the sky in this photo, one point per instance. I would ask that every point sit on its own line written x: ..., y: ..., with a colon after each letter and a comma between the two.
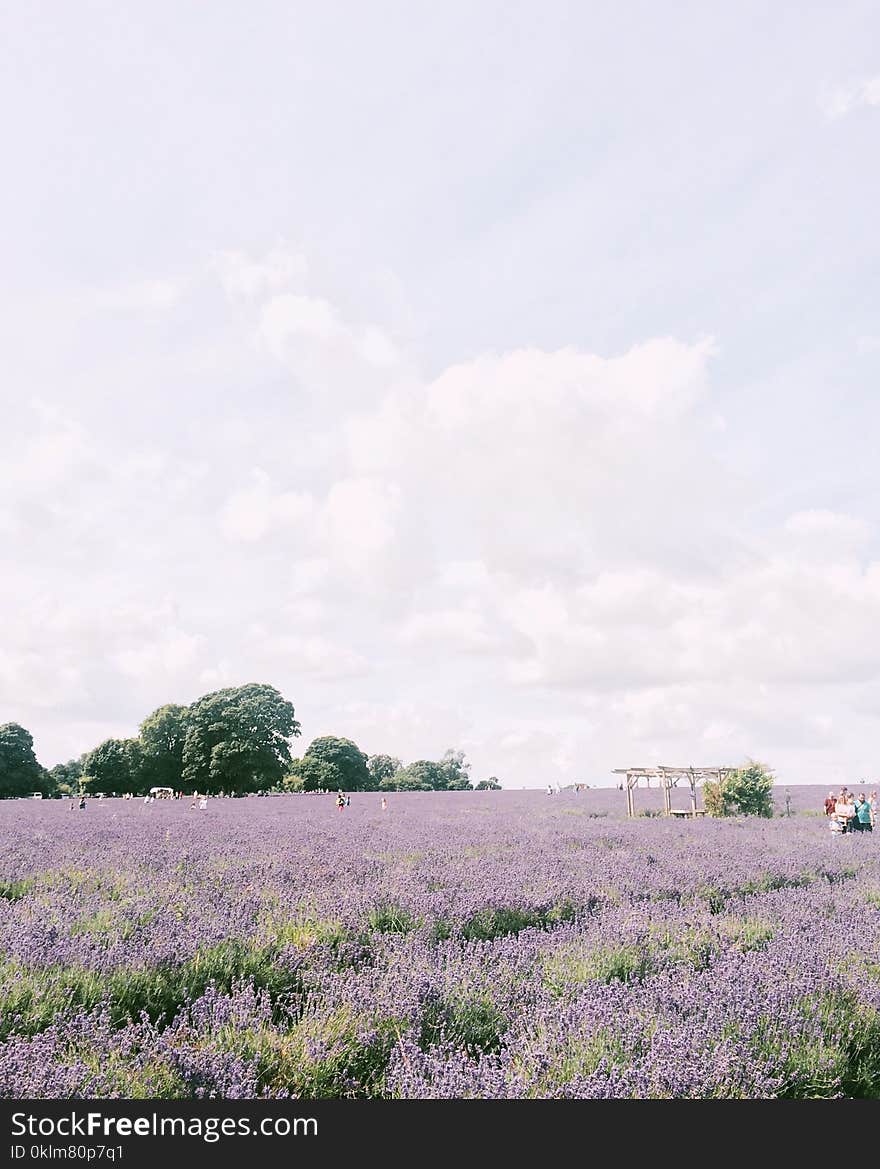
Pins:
x: 494, y: 376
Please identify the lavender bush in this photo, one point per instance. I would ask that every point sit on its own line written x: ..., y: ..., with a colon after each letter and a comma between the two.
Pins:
x: 473, y: 944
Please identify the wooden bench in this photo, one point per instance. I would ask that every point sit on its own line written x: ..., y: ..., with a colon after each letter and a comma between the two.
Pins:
x: 687, y: 813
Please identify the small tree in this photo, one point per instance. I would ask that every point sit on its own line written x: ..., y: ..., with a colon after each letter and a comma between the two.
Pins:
x: 713, y: 797
x: 67, y: 777
x: 114, y: 766
x: 20, y: 773
x: 335, y: 764
x: 408, y: 779
x: 293, y: 781
x: 420, y: 775
x: 382, y: 767
x: 489, y: 785
x: 454, y: 772
x: 748, y: 791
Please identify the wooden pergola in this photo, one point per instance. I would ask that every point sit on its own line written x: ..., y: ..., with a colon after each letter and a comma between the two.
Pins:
x: 669, y: 778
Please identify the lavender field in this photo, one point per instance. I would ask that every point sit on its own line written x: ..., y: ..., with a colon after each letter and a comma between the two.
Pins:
x: 472, y: 944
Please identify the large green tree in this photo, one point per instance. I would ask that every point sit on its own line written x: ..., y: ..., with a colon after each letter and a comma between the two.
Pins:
x: 238, y: 740
x: 454, y: 772
x: 417, y: 777
x: 116, y: 765
x: 449, y: 773
x: 310, y: 775
x: 162, y: 735
x: 20, y: 773
x: 420, y: 775
x: 335, y: 764
x: 382, y: 767
x: 66, y: 777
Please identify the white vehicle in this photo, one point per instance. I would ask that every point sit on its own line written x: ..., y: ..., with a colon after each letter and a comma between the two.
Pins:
x: 36, y: 795
x: 162, y: 793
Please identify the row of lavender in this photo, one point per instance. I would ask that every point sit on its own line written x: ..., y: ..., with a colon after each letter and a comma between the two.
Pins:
x: 456, y: 944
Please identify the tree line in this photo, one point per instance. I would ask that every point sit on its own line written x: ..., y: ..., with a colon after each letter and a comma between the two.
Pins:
x: 234, y: 741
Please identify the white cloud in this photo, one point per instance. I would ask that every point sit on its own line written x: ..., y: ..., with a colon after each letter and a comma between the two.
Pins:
x: 358, y: 521
x: 462, y: 630
x: 377, y: 348
x: 285, y: 318
x: 171, y: 653
x: 257, y: 511
x: 835, y: 101
x: 316, y: 656
x: 828, y: 528
x: 52, y: 451
x: 309, y: 336
x: 308, y: 574
x: 770, y: 622
x: 137, y: 296
x: 548, y: 462
x: 249, y: 279
x: 533, y: 389
x: 28, y: 677
x: 471, y: 576
x: 410, y: 728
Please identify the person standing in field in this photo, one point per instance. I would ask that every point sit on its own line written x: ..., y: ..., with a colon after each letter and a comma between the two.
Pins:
x: 852, y: 823
x: 340, y: 802
x: 830, y: 801
x: 842, y: 811
x: 384, y: 803
x: 853, y: 819
x: 864, y: 815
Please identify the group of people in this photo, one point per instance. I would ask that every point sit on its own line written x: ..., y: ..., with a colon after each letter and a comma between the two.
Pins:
x: 848, y: 812
x: 344, y: 801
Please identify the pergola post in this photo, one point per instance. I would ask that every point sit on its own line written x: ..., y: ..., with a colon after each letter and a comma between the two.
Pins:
x: 669, y: 777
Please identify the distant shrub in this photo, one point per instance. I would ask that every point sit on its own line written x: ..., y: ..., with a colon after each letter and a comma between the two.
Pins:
x: 747, y: 791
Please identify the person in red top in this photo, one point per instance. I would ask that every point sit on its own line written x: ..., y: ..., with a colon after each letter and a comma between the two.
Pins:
x: 830, y: 801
